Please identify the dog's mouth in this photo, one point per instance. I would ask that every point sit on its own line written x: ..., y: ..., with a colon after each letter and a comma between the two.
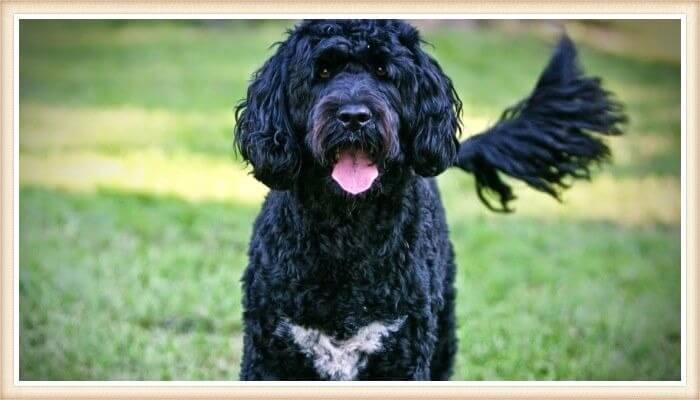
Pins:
x: 354, y: 171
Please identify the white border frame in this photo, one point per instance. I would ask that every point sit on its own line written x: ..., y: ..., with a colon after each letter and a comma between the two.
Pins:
x: 416, y: 16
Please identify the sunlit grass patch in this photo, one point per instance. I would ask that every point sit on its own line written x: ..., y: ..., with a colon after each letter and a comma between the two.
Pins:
x: 628, y: 201
x: 629, y: 149
x: 61, y: 128
x: 56, y: 128
x: 187, y: 176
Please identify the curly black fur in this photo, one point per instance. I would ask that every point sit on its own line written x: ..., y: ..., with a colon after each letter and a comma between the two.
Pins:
x: 343, y: 286
x: 547, y: 137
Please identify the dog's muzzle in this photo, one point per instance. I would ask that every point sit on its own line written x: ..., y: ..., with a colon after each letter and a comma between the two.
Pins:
x: 352, y: 131
x: 353, y: 169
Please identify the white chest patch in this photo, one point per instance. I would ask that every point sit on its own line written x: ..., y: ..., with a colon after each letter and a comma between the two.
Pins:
x: 340, y: 359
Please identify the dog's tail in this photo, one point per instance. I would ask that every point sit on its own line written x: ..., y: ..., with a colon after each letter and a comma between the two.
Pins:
x: 547, y: 137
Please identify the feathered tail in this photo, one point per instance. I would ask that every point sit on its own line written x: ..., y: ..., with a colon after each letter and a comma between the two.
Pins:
x: 547, y: 137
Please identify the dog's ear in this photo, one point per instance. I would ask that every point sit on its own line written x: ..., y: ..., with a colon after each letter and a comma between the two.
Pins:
x: 436, y: 118
x: 548, y: 137
x: 263, y: 133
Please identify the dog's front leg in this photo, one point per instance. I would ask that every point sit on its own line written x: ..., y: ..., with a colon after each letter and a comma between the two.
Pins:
x: 253, y: 365
x: 422, y: 371
x: 423, y: 343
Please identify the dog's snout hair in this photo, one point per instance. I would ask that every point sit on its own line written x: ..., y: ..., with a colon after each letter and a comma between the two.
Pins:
x: 377, y: 135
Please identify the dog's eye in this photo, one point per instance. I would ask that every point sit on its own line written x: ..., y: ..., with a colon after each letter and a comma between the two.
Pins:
x: 380, y: 71
x: 324, y: 73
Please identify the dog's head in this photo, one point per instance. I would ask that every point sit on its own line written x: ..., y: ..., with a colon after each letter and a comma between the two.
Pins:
x: 348, y: 106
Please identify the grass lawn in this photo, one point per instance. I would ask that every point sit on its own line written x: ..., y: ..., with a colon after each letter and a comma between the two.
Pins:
x: 135, y: 215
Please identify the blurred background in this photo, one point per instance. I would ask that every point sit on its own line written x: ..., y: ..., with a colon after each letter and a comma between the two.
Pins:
x: 135, y: 214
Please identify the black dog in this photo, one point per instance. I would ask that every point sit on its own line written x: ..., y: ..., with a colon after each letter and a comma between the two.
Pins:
x: 350, y: 271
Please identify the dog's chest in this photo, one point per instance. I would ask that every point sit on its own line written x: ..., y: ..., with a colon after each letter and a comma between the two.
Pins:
x: 339, y: 325
x: 339, y: 359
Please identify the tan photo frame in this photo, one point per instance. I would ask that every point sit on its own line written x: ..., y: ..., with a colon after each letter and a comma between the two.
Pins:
x: 12, y: 388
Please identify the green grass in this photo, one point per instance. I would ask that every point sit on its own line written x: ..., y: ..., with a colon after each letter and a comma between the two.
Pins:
x: 135, y: 216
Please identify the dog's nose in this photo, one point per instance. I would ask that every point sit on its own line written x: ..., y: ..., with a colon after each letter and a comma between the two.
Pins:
x: 354, y: 115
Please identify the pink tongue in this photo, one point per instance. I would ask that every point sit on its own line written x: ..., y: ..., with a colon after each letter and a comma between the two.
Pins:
x: 354, y: 172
